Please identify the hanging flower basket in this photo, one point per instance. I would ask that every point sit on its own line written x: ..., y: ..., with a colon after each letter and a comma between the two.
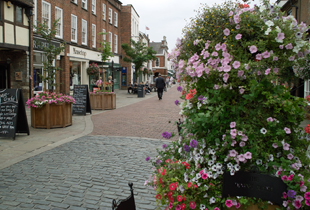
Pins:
x: 93, y: 69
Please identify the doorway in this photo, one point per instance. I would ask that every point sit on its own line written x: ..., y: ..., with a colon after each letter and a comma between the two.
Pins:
x: 4, y: 77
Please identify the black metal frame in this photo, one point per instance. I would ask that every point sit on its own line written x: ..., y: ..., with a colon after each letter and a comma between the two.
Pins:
x: 125, y: 204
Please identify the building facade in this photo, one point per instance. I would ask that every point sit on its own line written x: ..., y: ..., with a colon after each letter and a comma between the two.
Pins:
x: 15, y: 48
x: 80, y: 23
x: 129, y: 30
x: 160, y: 65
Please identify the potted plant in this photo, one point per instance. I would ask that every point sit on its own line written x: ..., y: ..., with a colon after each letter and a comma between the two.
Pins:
x: 103, y: 99
x: 237, y: 109
x: 93, y: 69
x: 51, y: 110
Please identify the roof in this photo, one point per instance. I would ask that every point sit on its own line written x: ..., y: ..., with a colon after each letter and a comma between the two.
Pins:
x: 157, y: 47
x: 23, y: 3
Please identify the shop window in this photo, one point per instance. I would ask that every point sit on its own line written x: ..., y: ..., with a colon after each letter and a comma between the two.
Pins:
x: 38, y: 60
x: 75, y: 74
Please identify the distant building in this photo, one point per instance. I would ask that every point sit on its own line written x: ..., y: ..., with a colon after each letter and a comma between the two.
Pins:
x: 160, y: 65
x: 15, y: 48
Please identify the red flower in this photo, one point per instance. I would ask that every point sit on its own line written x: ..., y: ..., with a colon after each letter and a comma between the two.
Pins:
x: 161, y: 180
x: 172, y: 186
x: 189, y: 184
x: 183, y: 205
x: 164, y: 172
x: 158, y: 196
x: 176, y: 184
x: 169, y: 194
x: 195, y: 186
x: 192, y: 204
x: 179, y: 198
x: 167, y: 161
x: 171, y: 199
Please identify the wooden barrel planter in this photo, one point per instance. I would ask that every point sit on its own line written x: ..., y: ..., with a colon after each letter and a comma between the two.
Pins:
x: 102, y: 101
x: 52, y: 116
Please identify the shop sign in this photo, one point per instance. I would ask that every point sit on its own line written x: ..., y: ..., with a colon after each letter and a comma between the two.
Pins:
x: 39, y: 44
x: 79, y: 52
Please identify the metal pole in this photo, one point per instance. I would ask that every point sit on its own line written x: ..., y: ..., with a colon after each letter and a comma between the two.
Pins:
x: 112, y: 76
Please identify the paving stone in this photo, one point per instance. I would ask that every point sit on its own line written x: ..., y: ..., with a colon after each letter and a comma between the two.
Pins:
x: 60, y: 205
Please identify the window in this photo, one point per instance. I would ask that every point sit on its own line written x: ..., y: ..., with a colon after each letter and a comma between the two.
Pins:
x: 110, y: 40
x: 104, y: 12
x: 157, y: 62
x: 19, y: 14
x: 73, y: 28
x: 84, y: 4
x: 93, y: 6
x: 74, y: 1
x: 115, y: 43
x: 104, y: 36
x: 115, y: 19
x: 46, y: 13
x: 84, y: 32
x: 58, y: 16
x: 110, y: 15
x: 94, y: 35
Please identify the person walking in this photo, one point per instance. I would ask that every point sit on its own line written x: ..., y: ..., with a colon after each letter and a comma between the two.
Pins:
x: 160, y: 85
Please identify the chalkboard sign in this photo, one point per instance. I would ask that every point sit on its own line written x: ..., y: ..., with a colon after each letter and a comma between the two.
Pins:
x: 13, y: 118
x: 264, y: 186
x: 82, y: 100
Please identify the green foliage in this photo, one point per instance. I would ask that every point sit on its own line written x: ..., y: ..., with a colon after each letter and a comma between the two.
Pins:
x: 51, y: 51
x: 105, y: 49
x: 138, y: 53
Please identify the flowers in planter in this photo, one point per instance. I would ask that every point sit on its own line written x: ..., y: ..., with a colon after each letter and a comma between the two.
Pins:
x: 93, y: 69
x: 51, y: 98
x: 237, y: 114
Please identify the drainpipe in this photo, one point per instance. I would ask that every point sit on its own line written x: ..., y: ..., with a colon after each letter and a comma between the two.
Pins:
x: 295, y: 7
x: 29, y: 13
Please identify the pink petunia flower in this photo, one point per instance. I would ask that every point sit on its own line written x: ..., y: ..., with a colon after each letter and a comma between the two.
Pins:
x: 236, y: 64
x: 242, y: 144
x: 266, y: 54
x: 253, y: 49
x: 248, y: 155
x: 287, y: 130
x: 226, y: 31
x: 244, y: 138
x: 307, y: 196
x: 275, y: 58
x: 280, y: 36
x: 241, y: 157
x: 204, y: 176
x: 275, y: 145
x: 286, y: 146
x: 238, y: 36
x: 233, y: 153
x: 258, y: 57
x: 275, y: 70
x: 228, y: 203
x: 290, y: 156
x: 267, y: 71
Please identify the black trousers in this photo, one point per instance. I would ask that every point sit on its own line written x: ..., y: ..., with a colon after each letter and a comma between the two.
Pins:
x: 160, y: 92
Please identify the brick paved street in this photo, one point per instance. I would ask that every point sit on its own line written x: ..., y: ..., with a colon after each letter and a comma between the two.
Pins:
x: 86, y: 173
x: 148, y: 118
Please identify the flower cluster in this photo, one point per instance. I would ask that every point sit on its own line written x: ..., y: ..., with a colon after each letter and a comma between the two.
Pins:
x: 237, y: 114
x: 51, y: 98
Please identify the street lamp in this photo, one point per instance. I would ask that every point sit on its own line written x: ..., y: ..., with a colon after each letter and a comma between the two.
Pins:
x: 112, y: 69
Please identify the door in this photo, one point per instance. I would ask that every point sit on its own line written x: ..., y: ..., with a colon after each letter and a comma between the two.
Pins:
x: 116, y: 79
x: 4, y: 83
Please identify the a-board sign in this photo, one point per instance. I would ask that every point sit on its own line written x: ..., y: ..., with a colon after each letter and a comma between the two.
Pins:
x: 82, y: 100
x: 13, y: 118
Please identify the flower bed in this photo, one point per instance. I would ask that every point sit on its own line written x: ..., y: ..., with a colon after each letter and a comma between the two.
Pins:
x: 235, y: 117
x: 49, y: 98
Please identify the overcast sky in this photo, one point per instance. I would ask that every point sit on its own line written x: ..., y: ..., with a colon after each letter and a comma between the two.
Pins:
x: 167, y: 17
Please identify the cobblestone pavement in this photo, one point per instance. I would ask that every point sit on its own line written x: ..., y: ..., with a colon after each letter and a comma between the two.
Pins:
x: 148, y: 118
x: 86, y: 173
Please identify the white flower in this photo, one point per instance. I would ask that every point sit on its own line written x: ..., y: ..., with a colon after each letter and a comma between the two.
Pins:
x: 210, y: 162
x: 201, y: 151
x: 267, y: 31
x: 198, y: 175
x: 269, y: 23
x: 218, y: 165
x: 198, y: 105
x: 237, y: 167
x: 186, y: 179
x: 198, y: 183
x: 180, y: 150
x: 214, y: 168
x: 263, y: 131
x: 202, y: 207
x: 212, y: 152
x: 206, y: 195
x: 259, y: 162
x: 278, y: 29
x: 232, y: 172
x: 271, y: 157
x: 229, y: 165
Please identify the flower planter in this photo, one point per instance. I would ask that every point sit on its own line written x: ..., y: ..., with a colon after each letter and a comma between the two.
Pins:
x: 103, y: 101
x: 52, y: 116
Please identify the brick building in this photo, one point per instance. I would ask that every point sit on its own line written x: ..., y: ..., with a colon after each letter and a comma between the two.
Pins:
x: 15, y: 51
x: 80, y: 22
x: 160, y: 65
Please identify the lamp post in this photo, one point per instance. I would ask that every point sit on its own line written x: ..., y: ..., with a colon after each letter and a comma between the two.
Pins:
x: 112, y: 70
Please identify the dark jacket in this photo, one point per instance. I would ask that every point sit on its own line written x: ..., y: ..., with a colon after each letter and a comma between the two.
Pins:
x: 160, y: 82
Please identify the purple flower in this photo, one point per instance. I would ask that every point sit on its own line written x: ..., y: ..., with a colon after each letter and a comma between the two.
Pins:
x: 289, y: 46
x: 274, y: 145
x: 226, y: 31
x: 291, y: 58
x: 241, y: 91
x: 236, y: 64
x: 179, y: 89
x: 291, y: 194
x: 280, y: 36
x: 176, y: 102
x: 158, y: 161
x: 267, y: 71
x: 164, y: 146
x: 266, y: 54
x: 281, y: 47
x: 193, y: 143
x: 253, y: 49
x: 240, y: 73
x: 275, y: 70
x: 238, y: 36
x: 166, y: 135
x: 225, y: 77
x: 287, y: 130
x: 186, y: 148
x: 259, y: 57
x: 275, y: 58
x: 232, y: 124
x: 147, y: 159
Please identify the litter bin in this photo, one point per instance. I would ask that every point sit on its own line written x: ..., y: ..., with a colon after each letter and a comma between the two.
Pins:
x: 141, y: 91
